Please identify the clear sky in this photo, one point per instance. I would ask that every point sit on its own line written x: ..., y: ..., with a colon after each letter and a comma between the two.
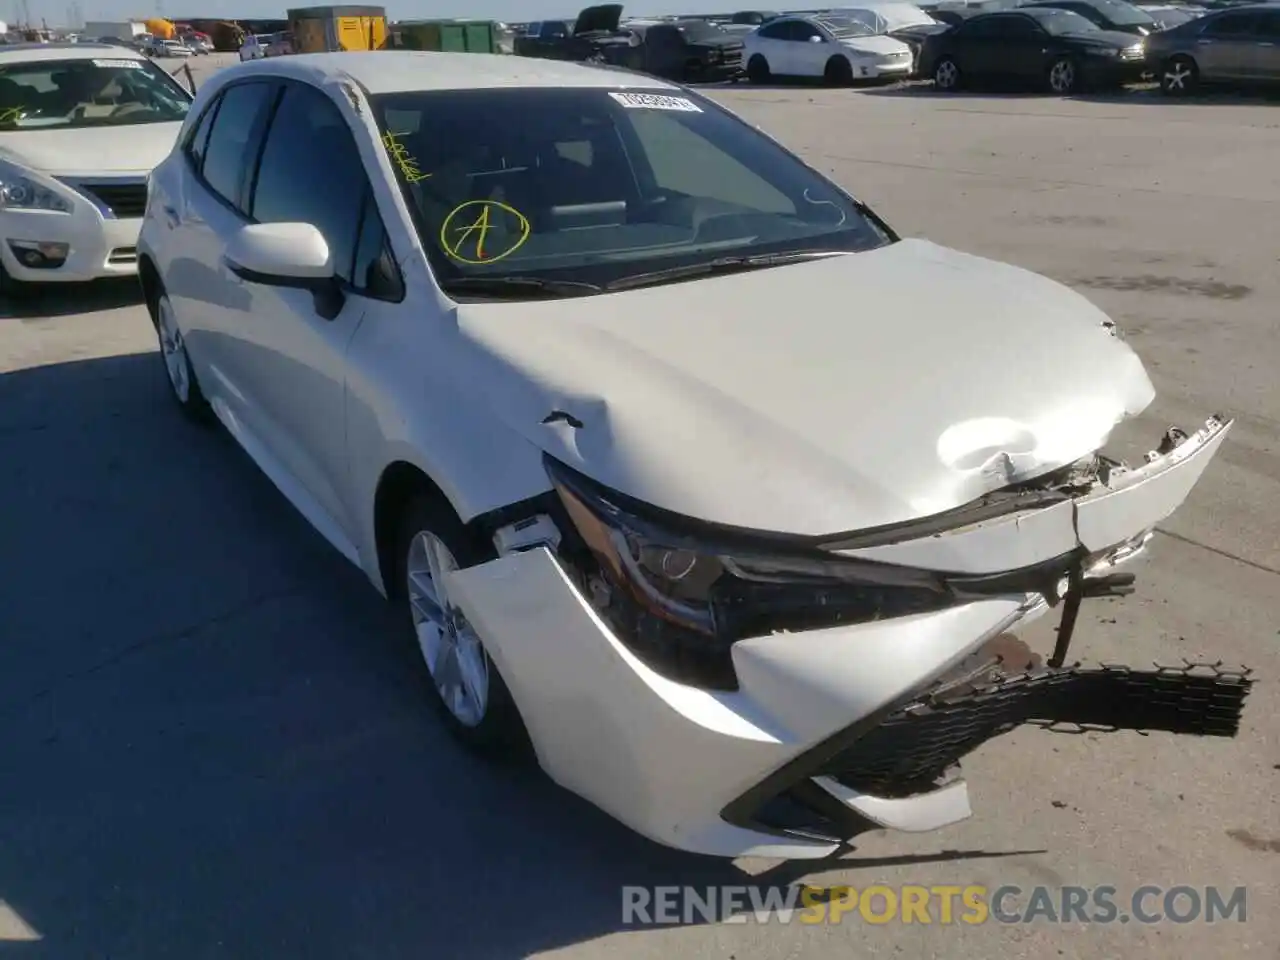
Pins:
x: 62, y: 11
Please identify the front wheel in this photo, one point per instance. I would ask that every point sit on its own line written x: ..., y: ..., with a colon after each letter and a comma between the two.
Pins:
x: 468, y: 691
x: 1064, y: 76
x: 946, y: 75
x: 838, y: 72
x: 1178, y: 77
x: 758, y: 70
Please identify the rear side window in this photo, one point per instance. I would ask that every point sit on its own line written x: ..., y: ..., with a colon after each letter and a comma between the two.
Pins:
x: 232, y: 142
x: 311, y: 172
x: 1233, y: 25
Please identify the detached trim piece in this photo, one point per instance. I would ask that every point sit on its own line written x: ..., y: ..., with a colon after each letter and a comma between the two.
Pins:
x: 905, y: 750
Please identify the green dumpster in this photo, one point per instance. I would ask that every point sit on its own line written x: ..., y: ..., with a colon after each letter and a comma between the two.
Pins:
x: 447, y: 36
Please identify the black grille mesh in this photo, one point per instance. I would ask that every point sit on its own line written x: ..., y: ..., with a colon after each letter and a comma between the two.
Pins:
x: 125, y: 200
x: 913, y: 750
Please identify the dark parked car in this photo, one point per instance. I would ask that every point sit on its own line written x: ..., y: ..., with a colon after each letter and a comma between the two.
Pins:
x: 686, y: 51
x: 544, y: 39
x: 953, y: 17
x: 1235, y: 45
x: 585, y: 39
x: 1056, y: 49
x: 1108, y: 14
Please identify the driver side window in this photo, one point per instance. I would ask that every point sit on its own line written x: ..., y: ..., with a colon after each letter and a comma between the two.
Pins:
x: 334, y: 196
x: 804, y: 32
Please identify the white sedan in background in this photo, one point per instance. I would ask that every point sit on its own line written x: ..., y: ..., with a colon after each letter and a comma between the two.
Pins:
x: 81, y: 126
x: 253, y: 48
x: 681, y: 467
x: 839, y: 48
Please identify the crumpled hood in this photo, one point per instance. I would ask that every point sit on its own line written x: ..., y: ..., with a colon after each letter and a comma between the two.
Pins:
x: 91, y: 151
x: 814, y: 398
x: 877, y: 46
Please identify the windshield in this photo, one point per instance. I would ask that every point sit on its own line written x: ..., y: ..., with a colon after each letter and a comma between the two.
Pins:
x: 701, y: 30
x: 844, y: 27
x: 592, y: 185
x: 1058, y: 22
x: 88, y: 93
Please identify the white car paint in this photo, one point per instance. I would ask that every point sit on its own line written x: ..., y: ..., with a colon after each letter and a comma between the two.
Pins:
x: 58, y: 160
x: 869, y: 57
x: 912, y: 380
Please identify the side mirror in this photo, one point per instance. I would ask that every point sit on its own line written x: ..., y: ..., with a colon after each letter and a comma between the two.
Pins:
x: 294, y: 255
x: 817, y: 39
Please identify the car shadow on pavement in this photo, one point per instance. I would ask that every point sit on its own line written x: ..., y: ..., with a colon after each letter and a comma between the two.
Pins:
x: 214, y: 742
x: 62, y: 300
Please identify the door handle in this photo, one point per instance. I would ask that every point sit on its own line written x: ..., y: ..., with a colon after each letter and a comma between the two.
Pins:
x: 1266, y: 43
x: 1204, y: 42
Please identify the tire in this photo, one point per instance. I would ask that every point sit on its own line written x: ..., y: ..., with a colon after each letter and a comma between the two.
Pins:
x: 180, y: 375
x: 1063, y: 77
x: 758, y: 70
x: 431, y: 538
x: 1179, y: 77
x: 838, y: 72
x: 946, y: 75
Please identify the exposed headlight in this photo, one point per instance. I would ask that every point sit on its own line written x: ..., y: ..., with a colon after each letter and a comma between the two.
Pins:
x: 22, y: 193
x: 1105, y: 52
x: 681, y: 592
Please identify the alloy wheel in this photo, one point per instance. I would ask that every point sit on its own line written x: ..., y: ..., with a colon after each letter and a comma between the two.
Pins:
x: 1062, y: 76
x: 947, y: 75
x: 174, y: 350
x: 1178, y: 77
x: 453, y: 653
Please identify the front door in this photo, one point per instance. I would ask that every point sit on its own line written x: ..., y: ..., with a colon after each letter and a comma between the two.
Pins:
x: 292, y: 350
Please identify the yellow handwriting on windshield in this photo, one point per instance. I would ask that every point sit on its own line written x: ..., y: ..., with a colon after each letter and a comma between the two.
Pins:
x: 464, y: 235
x: 401, y: 157
x: 12, y: 115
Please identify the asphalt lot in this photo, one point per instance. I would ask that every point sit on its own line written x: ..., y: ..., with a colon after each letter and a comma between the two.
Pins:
x: 211, y: 747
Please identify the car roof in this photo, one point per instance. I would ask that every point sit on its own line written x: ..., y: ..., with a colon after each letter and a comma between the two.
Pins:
x: 403, y: 71
x: 35, y: 52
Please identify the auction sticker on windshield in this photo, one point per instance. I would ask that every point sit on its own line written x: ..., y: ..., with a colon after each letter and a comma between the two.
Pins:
x: 125, y: 64
x: 653, y: 101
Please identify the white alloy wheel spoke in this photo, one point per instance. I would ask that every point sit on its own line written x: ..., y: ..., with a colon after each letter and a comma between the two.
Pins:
x: 453, y: 654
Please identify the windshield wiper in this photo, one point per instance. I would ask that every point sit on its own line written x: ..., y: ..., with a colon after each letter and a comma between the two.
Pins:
x: 720, y: 265
x: 519, y: 287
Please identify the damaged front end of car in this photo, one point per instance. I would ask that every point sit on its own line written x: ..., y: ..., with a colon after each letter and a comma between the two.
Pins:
x: 833, y: 683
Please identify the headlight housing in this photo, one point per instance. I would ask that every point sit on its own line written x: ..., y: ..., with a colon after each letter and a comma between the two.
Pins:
x: 20, y: 192
x: 681, y: 592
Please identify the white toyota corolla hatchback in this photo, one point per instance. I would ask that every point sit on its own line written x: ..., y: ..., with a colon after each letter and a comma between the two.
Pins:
x: 686, y: 471
x: 81, y: 126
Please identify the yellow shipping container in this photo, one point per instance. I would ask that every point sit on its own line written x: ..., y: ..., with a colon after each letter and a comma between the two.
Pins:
x: 328, y: 29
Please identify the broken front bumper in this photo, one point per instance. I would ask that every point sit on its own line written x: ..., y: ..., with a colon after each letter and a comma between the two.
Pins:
x: 833, y: 729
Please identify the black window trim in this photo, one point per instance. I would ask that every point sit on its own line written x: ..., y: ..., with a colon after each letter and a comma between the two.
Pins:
x: 249, y: 190
x: 260, y: 130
